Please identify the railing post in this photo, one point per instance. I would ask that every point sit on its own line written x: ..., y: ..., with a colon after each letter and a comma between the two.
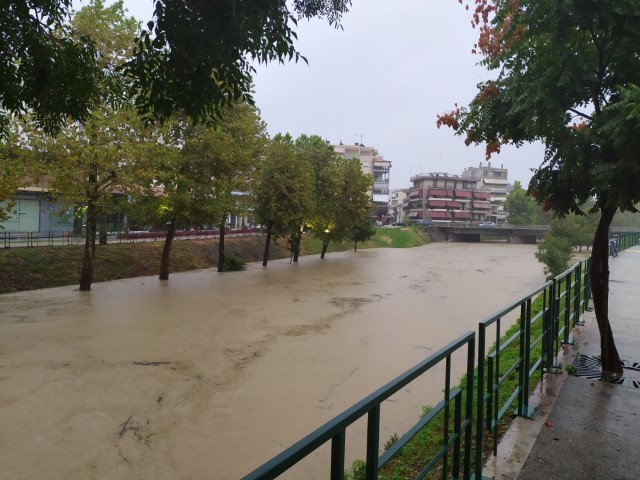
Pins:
x: 546, y: 331
x: 447, y: 399
x: 526, y: 411
x: 373, y: 442
x: 479, y: 404
x: 587, y: 285
x: 457, y: 420
x: 556, y: 316
x: 577, y: 305
x: 521, y: 371
x: 567, y: 308
x: 337, y: 456
x: 468, y: 435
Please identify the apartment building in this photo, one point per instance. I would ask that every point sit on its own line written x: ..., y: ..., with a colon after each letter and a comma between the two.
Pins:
x: 443, y: 197
x: 493, y: 180
x: 397, y: 204
x: 378, y: 168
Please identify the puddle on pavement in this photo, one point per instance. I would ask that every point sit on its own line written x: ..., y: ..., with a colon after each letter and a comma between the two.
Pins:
x: 210, y: 375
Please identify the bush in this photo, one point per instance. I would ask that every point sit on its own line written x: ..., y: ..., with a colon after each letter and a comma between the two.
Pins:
x: 555, y: 253
x: 233, y: 264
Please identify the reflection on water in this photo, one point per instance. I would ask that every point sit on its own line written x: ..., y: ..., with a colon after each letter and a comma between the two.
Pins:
x: 210, y: 375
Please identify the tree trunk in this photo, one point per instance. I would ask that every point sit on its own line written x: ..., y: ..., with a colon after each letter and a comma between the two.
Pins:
x: 599, y: 276
x: 221, y: 232
x: 325, y: 245
x: 295, y: 246
x: 86, y: 277
x: 355, y: 246
x: 166, y: 251
x: 265, y: 257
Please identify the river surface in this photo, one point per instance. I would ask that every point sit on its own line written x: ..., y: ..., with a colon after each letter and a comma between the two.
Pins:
x: 209, y: 375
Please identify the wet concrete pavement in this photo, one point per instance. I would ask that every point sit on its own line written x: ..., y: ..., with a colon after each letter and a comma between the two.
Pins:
x: 586, y: 429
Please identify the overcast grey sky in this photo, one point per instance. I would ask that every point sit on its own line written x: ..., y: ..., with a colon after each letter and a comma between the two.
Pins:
x: 385, y: 76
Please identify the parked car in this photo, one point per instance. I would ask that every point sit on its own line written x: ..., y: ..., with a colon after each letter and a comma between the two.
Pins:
x: 399, y: 224
x: 425, y: 222
x: 487, y: 225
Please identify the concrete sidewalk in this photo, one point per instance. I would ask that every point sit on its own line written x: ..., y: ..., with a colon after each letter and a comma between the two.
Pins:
x: 586, y: 429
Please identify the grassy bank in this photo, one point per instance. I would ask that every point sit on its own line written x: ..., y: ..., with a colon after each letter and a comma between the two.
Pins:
x: 42, y: 267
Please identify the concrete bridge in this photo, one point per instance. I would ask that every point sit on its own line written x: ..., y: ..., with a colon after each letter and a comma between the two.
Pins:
x: 472, y: 233
x: 514, y: 233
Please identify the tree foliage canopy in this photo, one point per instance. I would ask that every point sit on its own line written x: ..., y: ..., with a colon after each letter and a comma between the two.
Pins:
x: 196, y: 56
x: 521, y: 207
x: 46, y: 67
x: 568, y: 76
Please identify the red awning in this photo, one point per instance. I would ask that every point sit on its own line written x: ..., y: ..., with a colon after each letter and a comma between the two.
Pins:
x: 462, y: 194
x: 453, y: 204
x: 437, y: 203
x: 481, y: 205
x: 481, y: 195
x: 438, y: 215
x: 462, y: 215
x: 440, y: 192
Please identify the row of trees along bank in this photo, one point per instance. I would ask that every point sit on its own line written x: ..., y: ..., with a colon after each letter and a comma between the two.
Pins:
x: 176, y: 173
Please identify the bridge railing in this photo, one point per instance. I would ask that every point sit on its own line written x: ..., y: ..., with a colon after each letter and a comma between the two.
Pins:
x: 518, y: 355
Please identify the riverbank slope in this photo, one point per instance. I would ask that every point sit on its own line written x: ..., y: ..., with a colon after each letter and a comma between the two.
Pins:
x: 43, y: 267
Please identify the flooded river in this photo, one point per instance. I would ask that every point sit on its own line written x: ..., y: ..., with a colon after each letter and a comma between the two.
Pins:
x: 209, y: 375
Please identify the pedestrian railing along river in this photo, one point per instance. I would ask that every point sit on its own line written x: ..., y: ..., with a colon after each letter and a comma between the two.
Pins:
x: 497, y: 385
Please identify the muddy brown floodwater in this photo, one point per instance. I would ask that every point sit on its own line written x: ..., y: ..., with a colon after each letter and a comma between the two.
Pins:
x: 210, y: 375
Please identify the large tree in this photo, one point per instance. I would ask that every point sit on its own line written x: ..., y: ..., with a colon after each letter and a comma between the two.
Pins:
x: 86, y: 162
x: 47, y: 67
x: 197, y: 56
x: 341, y: 192
x: 12, y: 173
x: 194, y: 56
x: 567, y: 75
x: 521, y: 207
x: 196, y: 174
x: 283, y: 192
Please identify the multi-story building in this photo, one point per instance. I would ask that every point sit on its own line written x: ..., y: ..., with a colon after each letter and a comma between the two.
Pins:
x: 379, y: 169
x: 398, y: 201
x: 493, y: 180
x: 443, y: 197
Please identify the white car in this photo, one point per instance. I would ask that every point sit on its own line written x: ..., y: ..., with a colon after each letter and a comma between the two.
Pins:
x: 487, y: 225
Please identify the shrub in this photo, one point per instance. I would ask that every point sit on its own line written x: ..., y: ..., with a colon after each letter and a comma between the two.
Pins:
x: 233, y: 264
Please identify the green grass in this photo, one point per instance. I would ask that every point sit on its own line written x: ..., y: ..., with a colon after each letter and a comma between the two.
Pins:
x: 407, y: 237
x: 401, y: 237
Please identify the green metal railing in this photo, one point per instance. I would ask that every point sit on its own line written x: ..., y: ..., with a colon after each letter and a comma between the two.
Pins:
x: 455, y: 430
x: 501, y: 384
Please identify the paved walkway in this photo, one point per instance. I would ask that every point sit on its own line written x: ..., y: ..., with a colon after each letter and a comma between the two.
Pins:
x: 586, y: 429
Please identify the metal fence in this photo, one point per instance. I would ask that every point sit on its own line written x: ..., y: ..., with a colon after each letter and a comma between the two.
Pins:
x: 50, y: 239
x: 500, y: 385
